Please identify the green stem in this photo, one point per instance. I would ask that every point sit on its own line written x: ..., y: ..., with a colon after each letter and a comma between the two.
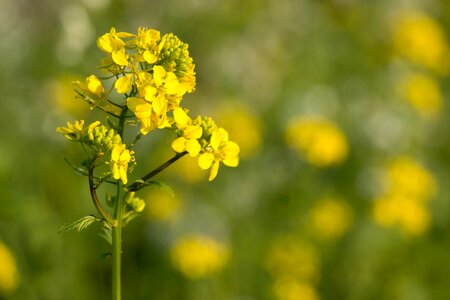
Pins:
x: 117, y: 230
x: 143, y: 182
x: 117, y: 246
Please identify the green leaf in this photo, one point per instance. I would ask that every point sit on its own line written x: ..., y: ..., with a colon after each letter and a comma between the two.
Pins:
x: 161, y: 186
x: 107, y: 234
x: 79, y: 224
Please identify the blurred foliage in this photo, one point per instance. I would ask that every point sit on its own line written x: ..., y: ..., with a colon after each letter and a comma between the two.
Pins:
x: 341, y: 109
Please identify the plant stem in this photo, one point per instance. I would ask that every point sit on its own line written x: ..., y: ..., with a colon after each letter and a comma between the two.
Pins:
x: 117, y: 230
x: 143, y: 181
x: 117, y: 246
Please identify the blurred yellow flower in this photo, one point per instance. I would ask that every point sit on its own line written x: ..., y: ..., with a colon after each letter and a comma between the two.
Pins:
x: 244, y: 127
x: 422, y: 92
x: 403, y: 202
x: 320, y: 141
x: 408, y: 214
x: 293, y: 257
x: 161, y: 205
x: 421, y: 39
x: 291, y: 289
x: 197, y: 256
x: 9, y: 277
x: 330, y: 219
x: 409, y: 178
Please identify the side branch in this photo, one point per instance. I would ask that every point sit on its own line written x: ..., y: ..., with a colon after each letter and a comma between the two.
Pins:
x: 143, y: 182
x: 94, y: 197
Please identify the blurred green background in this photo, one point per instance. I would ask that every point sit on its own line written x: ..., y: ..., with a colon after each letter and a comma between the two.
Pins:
x: 339, y: 106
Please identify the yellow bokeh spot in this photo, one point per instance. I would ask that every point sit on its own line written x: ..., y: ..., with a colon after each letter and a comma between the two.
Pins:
x: 422, y: 93
x: 410, y: 216
x: 403, y: 202
x: 330, y: 219
x: 198, y: 256
x: 244, y: 128
x: 319, y: 141
x: 291, y: 289
x: 292, y: 257
x: 9, y: 277
x: 421, y: 39
x: 161, y: 205
x: 408, y: 177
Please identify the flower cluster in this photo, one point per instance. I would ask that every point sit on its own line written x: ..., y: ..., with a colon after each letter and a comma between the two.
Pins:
x: 100, y: 140
x: 146, y: 76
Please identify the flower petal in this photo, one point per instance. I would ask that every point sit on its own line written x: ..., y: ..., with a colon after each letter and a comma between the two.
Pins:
x: 214, y: 171
x: 193, y: 147
x: 158, y: 75
x: 149, y: 57
x: 179, y: 145
x: 123, y: 84
x: 193, y: 132
x: 231, y: 161
x: 205, y: 160
x: 120, y: 58
x: 181, y: 117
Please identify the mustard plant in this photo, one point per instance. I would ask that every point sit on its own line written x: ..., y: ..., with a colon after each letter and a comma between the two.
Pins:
x: 145, y: 77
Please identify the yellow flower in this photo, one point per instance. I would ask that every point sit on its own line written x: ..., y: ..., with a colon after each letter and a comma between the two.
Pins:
x: 120, y: 157
x: 188, y: 141
x: 292, y: 289
x: 92, y: 87
x: 423, y: 93
x: 422, y: 40
x: 330, y: 219
x: 320, y: 141
x: 220, y: 149
x: 198, y: 256
x: 147, y: 40
x: 145, y: 113
x: 9, y: 277
x: 73, y: 132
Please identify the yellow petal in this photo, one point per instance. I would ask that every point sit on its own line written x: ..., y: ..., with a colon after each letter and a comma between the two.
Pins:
x: 103, y: 43
x: 231, y: 161
x: 141, y: 108
x: 181, y: 117
x: 115, y: 171
x: 193, y: 132
x: 172, y: 86
x: 231, y: 148
x: 123, y: 84
x: 214, y: 170
x: 193, y: 147
x: 205, y: 160
x: 123, y: 174
x: 120, y: 58
x: 179, y: 145
x: 218, y: 136
x: 159, y: 104
x: 158, y: 75
x: 94, y: 85
x: 150, y: 92
x: 149, y: 57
